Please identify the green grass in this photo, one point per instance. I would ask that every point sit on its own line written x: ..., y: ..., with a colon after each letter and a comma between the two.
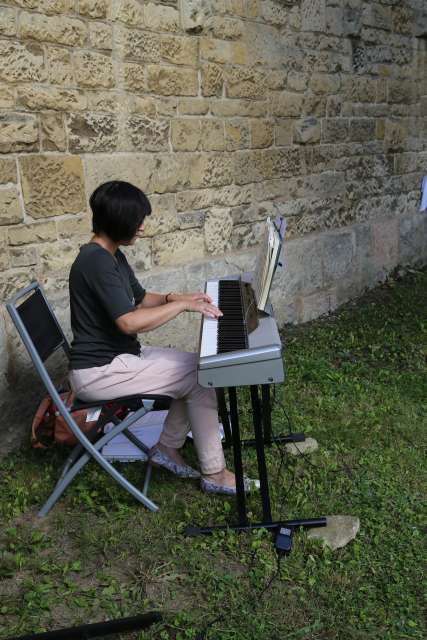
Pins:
x: 357, y: 382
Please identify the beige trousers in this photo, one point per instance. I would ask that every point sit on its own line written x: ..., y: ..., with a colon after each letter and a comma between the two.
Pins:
x: 162, y: 371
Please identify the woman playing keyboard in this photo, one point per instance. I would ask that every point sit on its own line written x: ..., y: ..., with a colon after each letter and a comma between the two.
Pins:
x: 109, y: 307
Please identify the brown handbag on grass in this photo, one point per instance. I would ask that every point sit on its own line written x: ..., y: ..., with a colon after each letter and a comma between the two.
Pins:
x: 49, y: 427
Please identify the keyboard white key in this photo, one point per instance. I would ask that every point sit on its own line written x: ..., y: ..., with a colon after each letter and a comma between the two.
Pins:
x: 208, y: 345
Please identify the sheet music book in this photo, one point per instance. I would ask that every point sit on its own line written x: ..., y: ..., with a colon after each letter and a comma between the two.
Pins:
x: 267, y: 260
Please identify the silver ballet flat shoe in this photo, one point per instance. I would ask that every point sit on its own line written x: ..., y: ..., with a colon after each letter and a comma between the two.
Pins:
x: 160, y: 459
x: 211, y: 487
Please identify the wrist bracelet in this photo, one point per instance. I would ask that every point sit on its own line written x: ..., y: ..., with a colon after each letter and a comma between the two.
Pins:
x: 167, y: 296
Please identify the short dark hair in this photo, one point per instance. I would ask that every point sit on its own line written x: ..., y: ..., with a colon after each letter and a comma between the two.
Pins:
x: 118, y: 210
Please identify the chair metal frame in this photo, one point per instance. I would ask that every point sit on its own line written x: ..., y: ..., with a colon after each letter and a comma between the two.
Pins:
x: 85, y: 449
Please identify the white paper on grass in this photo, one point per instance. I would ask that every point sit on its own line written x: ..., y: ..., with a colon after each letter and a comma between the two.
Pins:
x: 147, y: 429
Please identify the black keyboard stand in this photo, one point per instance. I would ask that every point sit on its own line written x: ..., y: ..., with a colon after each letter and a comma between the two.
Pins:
x: 262, y: 427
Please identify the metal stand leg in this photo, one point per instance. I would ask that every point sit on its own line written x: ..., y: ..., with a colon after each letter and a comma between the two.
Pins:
x: 259, y: 443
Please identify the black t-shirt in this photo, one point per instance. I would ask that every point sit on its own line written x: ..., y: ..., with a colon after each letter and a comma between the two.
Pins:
x: 102, y: 288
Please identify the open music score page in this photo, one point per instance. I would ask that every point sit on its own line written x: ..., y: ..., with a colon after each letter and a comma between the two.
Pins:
x: 267, y: 260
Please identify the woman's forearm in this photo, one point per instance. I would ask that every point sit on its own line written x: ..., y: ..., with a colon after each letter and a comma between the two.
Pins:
x: 152, y: 299
x: 148, y: 318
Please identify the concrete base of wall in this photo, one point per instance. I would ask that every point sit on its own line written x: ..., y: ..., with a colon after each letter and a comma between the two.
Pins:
x: 320, y: 272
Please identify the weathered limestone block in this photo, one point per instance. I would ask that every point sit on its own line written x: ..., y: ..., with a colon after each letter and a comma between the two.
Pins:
x: 313, y: 14
x: 334, y: 130
x: 254, y: 212
x: 139, y: 104
x: 21, y: 62
x: 139, y: 255
x: 262, y: 133
x: 211, y: 170
x: 7, y: 22
x: 333, y: 106
x: 284, y: 131
x: 132, y: 76
x: 89, y: 132
x: 61, y: 30
x: 57, y: 258
x: 60, y: 67
x: 377, y: 16
x: 307, y: 131
x: 274, y: 13
x: 186, y: 134
x: 325, y: 83
x: 28, y: 233
x: 101, y: 35
x: 296, y: 81
x: 53, y: 136
x: 170, y: 81
x: 159, y: 173
x: 360, y: 89
x: 212, y: 138
x: 7, y: 97
x: 93, y: 69
x: 225, y: 28
x: 37, y: 98
x: 18, y: 132
x: 218, y: 228
x: 178, y: 50
x: 338, y: 256
x: 246, y: 236
x: 237, y: 134
x: 166, y: 106
x: 48, y: 7
x: 385, y: 235
x: 7, y: 170
x: 212, y: 79
x: 93, y: 8
x: 228, y: 196
x: 23, y: 257
x: 238, y: 108
x: 395, y: 134
x: 339, y: 531
x: 401, y: 19
x: 315, y: 305
x: 178, y: 247
x: 10, y: 283
x: 224, y: 52
x: 74, y: 227
x: 401, y: 91
x: 52, y: 185
x: 145, y: 134
x: 362, y: 129
x: 194, y: 14
x: 245, y: 83
x: 161, y: 18
x: 140, y: 45
x: 10, y: 207
x: 412, y: 240
x: 4, y: 264
x: 163, y: 216
x: 191, y: 220
x: 287, y: 104
x: 129, y: 12
x: 193, y: 107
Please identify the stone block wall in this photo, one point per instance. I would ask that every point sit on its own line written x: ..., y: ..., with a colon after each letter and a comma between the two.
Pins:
x: 223, y: 112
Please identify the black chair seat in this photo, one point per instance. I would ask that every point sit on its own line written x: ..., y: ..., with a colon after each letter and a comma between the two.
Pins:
x: 134, y: 402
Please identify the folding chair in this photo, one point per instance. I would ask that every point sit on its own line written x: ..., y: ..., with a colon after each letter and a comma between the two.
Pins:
x: 42, y: 335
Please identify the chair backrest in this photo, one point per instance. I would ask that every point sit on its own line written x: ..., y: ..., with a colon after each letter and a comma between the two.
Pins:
x: 36, y: 322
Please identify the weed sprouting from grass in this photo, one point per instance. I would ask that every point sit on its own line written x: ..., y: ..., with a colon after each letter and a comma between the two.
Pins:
x: 357, y: 383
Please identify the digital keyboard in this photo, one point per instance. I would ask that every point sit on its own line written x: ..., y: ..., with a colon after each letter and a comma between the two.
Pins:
x: 243, y: 346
